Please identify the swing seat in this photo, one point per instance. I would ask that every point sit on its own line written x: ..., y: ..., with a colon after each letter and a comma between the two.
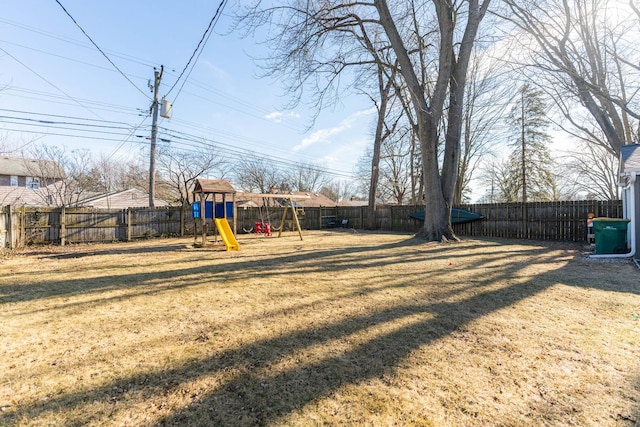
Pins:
x: 330, y: 221
x: 262, y: 228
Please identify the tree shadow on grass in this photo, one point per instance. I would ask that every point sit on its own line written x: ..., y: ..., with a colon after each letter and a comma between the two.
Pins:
x: 255, y: 393
x: 254, y: 397
x: 236, y: 269
x: 84, y: 250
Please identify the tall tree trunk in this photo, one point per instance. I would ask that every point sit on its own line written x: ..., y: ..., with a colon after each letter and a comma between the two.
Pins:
x: 439, y: 184
x: 437, y: 221
x: 384, y: 90
x: 412, y: 168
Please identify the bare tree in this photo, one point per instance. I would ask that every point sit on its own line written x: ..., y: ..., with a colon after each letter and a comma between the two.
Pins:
x: 307, y: 177
x: 182, y: 168
x: 302, y: 56
x: 484, y: 109
x: 258, y: 175
x: 416, y: 187
x: 107, y: 175
x: 314, y: 42
x: 593, y: 171
x: 383, y: 131
x: 394, y: 168
x: 497, y: 176
x: 587, y: 51
x: 57, y: 175
x: 338, y: 190
x: 457, y: 30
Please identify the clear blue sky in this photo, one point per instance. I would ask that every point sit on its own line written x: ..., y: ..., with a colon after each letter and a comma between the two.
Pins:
x: 48, y: 67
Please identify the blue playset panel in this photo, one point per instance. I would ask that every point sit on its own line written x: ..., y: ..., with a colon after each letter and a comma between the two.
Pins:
x: 208, y: 210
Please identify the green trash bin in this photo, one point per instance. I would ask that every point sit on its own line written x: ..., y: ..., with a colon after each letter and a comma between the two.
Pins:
x: 610, y: 235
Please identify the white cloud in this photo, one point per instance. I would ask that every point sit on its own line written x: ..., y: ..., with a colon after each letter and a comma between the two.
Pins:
x: 325, y: 135
x: 278, y: 116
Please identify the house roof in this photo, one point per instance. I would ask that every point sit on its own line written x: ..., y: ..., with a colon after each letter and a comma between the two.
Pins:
x: 361, y: 203
x: 48, y: 196
x: 630, y: 156
x: 353, y: 203
x: 20, y: 166
x: 300, y: 199
x: 217, y: 186
x: 314, y: 199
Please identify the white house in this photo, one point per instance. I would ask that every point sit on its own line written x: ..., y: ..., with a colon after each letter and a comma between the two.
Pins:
x: 629, y: 172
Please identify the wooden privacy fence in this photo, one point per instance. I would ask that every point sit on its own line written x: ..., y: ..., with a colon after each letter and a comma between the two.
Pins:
x: 29, y: 226
x: 562, y: 221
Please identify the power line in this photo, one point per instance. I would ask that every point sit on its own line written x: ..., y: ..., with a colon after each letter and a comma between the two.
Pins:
x: 61, y: 116
x: 192, y: 143
x: 119, y: 146
x: 262, y: 117
x: 49, y: 82
x: 90, y: 128
x: 112, y: 52
x: 196, y: 142
x: 53, y: 125
x: 259, y: 144
x: 95, y: 104
x: 260, y: 112
x: 203, y: 41
x: 101, y: 51
x: 65, y: 135
x: 44, y: 52
x: 46, y: 118
x: 55, y: 120
x: 58, y: 123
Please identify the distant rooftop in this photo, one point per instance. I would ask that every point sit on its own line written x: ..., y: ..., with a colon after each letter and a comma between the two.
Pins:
x: 19, y: 166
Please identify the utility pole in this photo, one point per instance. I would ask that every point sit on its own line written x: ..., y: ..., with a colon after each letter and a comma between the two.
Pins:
x: 154, y: 134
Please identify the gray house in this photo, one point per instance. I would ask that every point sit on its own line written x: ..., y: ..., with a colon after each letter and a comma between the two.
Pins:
x: 29, y: 182
x: 25, y: 182
x: 629, y: 173
x: 27, y: 173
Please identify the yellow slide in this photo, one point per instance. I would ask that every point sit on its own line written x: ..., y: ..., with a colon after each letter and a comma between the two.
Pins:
x: 227, y: 235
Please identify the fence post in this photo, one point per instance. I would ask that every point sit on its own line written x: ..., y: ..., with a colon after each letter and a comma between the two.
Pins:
x: 525, y: 221
x: 63, y: 226
x: 3, y: 229
x: 182, y: 218
x: 23, y: 220
x: 128, y: 213
x: 9, y: 226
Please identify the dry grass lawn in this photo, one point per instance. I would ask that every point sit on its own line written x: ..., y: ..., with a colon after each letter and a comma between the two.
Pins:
x: 342, y: 328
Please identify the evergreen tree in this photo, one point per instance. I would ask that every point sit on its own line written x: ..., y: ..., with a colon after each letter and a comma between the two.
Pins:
x: 530, y: 162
